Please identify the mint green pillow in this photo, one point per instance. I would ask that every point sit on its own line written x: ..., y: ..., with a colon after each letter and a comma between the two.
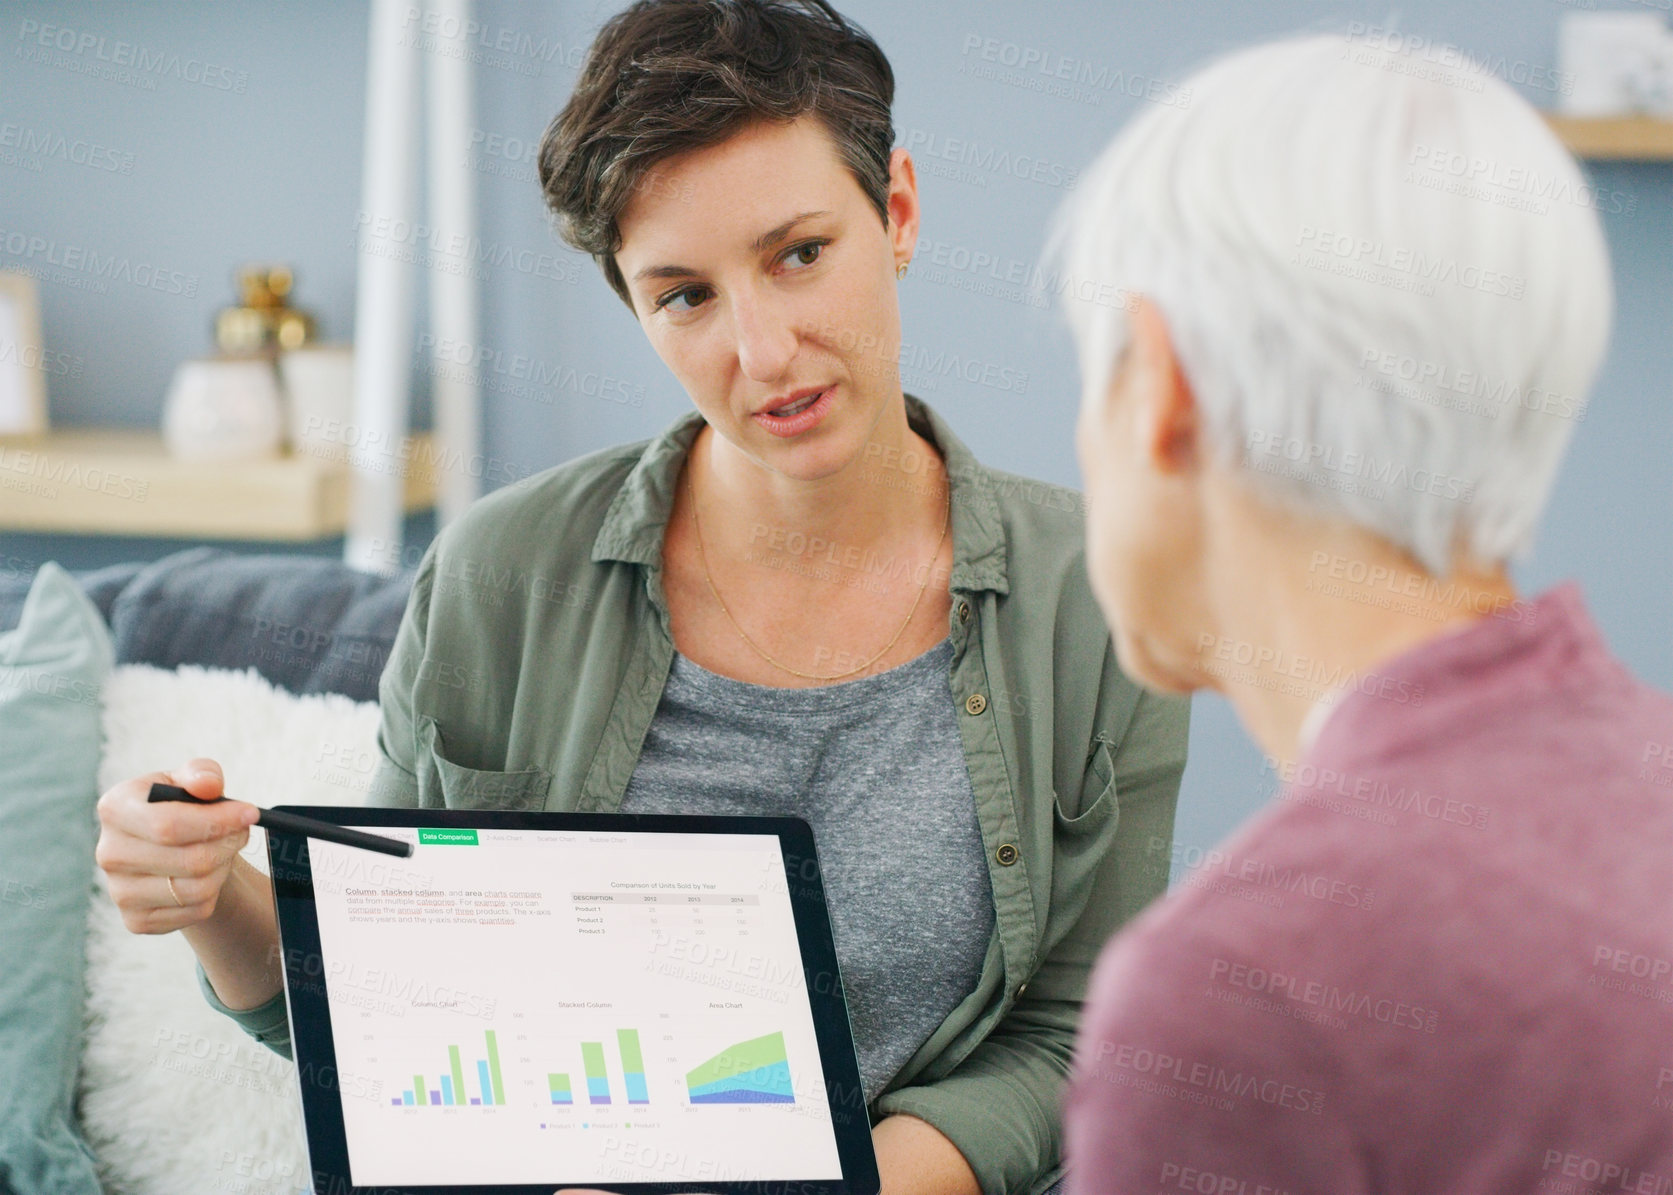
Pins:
x: 52, y: 668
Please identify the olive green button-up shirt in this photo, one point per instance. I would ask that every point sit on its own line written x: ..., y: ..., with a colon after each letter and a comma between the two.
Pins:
x: 536, y: 644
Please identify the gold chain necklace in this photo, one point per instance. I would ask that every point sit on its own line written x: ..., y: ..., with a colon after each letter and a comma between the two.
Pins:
x: 697, y: 530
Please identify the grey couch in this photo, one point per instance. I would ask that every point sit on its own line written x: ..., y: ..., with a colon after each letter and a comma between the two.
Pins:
x: 308, y: 625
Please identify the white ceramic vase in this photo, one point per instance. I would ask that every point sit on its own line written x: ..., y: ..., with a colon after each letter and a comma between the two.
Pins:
x: 221, y: 409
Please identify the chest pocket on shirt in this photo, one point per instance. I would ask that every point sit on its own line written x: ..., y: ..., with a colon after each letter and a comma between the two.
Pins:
x: 1098, y: 808
x: 445, y: 784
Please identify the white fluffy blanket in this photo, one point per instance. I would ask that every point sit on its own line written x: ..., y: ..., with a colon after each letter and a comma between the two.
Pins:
x: 174, y: 1098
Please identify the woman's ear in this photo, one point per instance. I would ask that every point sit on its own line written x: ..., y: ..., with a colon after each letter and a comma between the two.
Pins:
x: 1167, y: 419
x: 903, y: 204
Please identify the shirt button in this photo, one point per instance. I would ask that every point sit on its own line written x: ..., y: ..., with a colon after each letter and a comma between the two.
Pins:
x: 1021, y: 988
x: 1006, y: 854
x: 964, y: 611
x: 975, y: 703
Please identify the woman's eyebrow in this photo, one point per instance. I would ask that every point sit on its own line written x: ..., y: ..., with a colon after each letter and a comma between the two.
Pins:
x: 774, y: 235
x: 665, y: 272
x: 762, y: 243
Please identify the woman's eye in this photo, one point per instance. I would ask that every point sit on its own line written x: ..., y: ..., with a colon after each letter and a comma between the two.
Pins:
x: 682, y: 301
x: 805, y: 254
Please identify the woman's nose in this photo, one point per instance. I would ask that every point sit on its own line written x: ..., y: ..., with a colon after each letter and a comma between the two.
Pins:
x: 766, y: 339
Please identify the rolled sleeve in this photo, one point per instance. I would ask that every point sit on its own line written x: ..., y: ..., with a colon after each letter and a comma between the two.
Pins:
x: 1002, y: 1106
x: 268, y: 1023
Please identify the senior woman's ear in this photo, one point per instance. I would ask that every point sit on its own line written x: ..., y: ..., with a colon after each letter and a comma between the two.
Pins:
x: 1150, y: 397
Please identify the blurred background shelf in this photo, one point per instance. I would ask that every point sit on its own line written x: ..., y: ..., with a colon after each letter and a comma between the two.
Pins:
x: 1619, y: 138
x: 105, y: 481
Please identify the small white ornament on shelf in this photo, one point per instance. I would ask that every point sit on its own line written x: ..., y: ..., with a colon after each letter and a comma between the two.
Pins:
x: 223, y: 408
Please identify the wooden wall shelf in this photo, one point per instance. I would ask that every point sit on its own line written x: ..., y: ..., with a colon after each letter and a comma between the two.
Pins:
x: 1617, y: 138
x: 86, y: 481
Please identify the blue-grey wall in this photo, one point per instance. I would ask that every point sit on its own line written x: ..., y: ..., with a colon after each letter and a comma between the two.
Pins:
x: 244, y: 145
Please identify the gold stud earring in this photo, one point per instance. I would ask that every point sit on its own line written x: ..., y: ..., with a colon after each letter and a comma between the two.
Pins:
x: 900, y: 270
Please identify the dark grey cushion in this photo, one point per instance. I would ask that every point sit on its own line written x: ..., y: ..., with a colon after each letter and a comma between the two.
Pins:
x: 309, y: 625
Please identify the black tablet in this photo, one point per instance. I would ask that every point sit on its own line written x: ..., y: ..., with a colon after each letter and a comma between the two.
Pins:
x: 533, y: 1001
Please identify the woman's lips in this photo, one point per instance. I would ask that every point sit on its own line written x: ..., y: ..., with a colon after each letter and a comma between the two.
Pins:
x: 806, y: 414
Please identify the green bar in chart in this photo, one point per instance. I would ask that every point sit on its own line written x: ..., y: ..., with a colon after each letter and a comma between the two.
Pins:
x: 418, y: 1092
x: 628, y: 1040
x: 458, y: 1075
x: 494, y: 1068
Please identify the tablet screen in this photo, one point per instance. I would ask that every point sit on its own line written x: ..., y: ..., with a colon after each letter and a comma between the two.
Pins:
x: 514, y: 1006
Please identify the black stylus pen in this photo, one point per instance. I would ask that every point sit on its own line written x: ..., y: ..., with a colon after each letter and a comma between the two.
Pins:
x: 291, y: 823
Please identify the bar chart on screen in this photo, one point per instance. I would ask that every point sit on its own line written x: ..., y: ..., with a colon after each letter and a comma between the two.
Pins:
x: 526, y: 1024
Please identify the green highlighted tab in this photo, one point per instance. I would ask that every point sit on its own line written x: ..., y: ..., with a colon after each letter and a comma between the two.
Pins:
x: 447, y: 837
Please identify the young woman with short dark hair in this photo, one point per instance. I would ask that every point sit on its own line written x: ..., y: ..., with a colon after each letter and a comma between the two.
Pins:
x: 804, y: 597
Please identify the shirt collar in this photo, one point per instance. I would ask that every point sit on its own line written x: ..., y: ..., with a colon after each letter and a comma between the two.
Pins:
x: 633, y: 526
x: 1534, y: 646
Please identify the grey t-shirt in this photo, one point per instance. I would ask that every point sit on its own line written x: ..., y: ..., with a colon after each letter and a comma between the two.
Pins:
x: 876, y: 766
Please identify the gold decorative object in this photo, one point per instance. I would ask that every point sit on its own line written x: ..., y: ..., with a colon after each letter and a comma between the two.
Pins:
x: 264, y: 322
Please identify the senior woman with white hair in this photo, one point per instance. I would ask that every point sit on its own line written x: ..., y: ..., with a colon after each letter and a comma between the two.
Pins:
x: 1439, y: 961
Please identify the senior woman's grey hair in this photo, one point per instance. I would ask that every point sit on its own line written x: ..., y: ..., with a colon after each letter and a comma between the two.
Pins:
x: 1384, y: 277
